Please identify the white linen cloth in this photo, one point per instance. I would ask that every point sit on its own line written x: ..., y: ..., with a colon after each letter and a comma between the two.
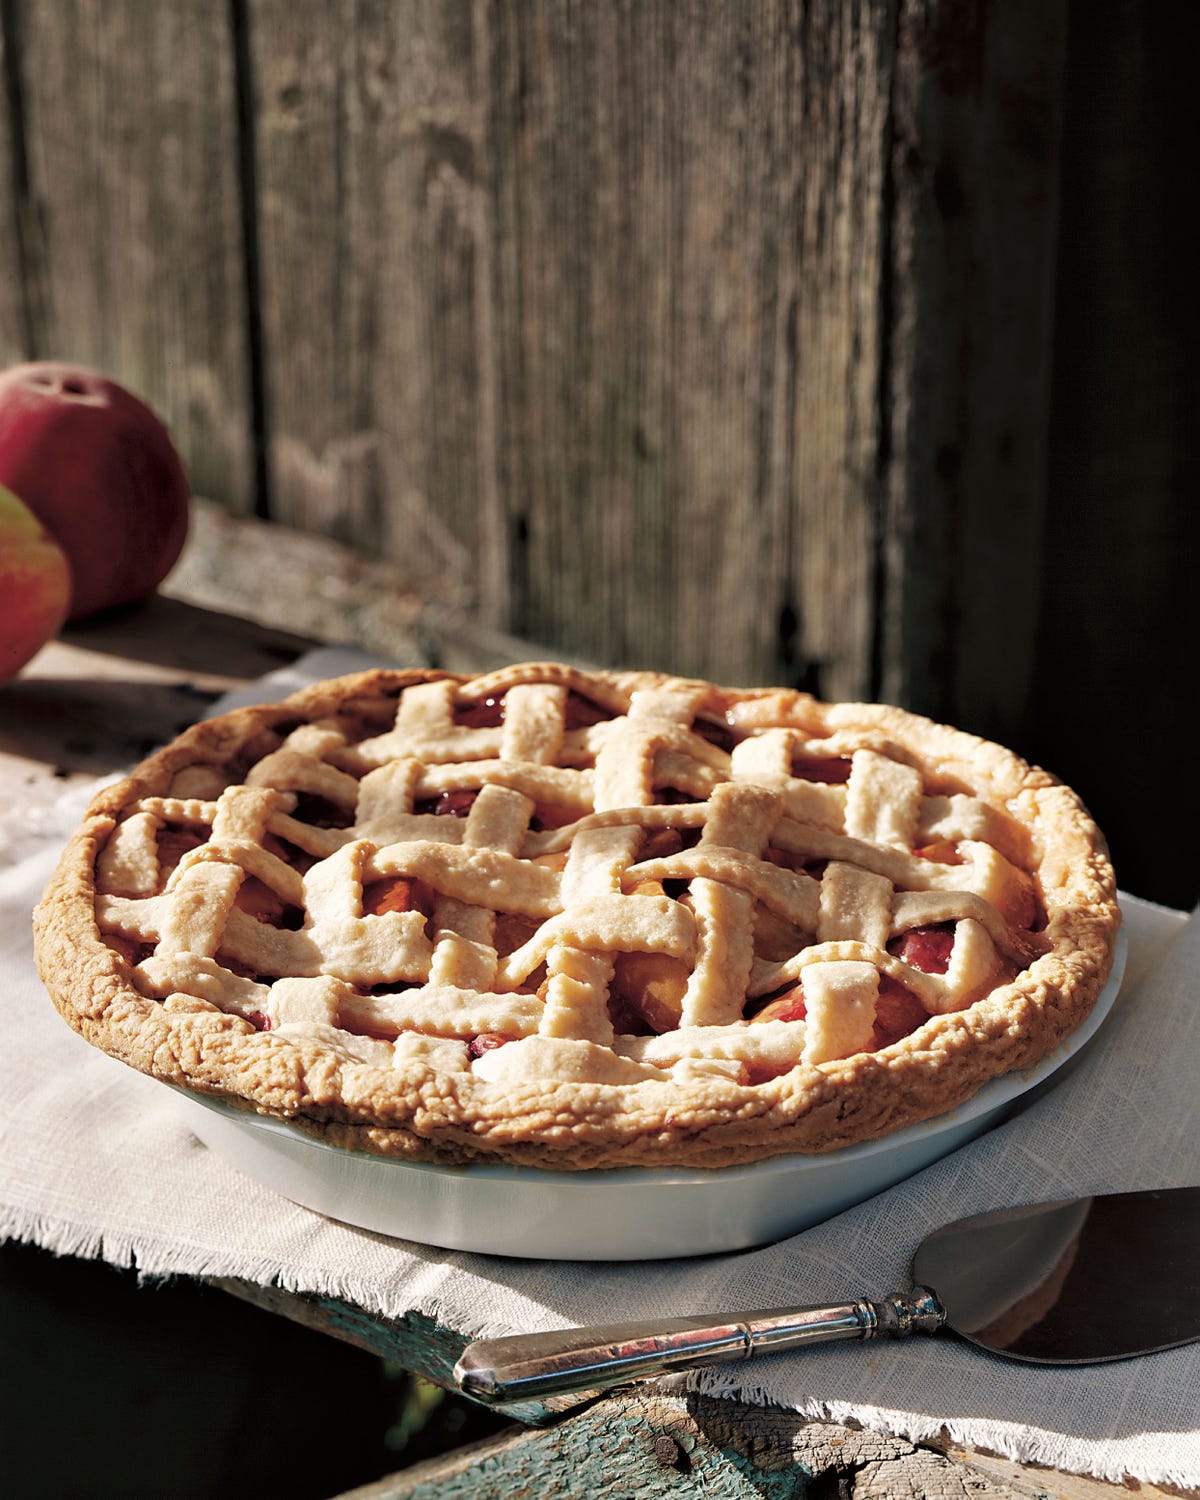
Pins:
x: 94, y: 1161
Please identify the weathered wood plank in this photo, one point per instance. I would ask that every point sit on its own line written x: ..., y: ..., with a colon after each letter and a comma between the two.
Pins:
x: 414, y: 1342
x: 130, y: 132
x: 367, y: 158
x: 644, y: 320
x: 536, y: 286
x: 692, y: 1445
x: 1036, y: 1482
x: 14, y: 322
x: 646, y: 1443
x: 970, y: 286
x: 1117, y: 639
x: 304, y: 583
x: 113, y: 688
x: 687, y: 218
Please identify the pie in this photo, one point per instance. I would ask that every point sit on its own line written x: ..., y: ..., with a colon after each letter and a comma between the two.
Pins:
x: 579, y: 919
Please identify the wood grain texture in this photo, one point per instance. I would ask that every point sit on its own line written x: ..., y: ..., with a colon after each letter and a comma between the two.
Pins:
x: 367, y: 158
x: 975, y: 154
x: 647, y: 1443
x: 714, y: 339
x: 14, y: 321
x: 675, y: 335
x: 687, y: 221
x: 130, y: 138
x: 111, y: 689
x: 579, y: 305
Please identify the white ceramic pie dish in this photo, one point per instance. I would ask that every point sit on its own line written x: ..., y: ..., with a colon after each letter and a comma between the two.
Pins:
x: 634, y: 1214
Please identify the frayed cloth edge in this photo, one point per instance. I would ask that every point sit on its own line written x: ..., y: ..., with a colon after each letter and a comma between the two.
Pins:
x: 156, y: 1259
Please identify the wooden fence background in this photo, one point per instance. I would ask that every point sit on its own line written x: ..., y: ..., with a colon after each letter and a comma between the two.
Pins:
x: 846, y: 343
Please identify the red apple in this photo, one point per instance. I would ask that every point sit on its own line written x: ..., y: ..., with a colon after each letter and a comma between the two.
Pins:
x: 98, y: 468
x: 35, y: 585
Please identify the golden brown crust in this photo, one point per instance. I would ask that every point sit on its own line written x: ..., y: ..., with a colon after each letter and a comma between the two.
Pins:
x: 601, y: 1100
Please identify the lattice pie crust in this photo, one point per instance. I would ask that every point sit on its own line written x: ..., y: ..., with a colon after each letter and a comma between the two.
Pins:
x: 580, y: 919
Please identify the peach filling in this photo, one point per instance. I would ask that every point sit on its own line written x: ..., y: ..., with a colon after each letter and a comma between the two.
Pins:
x: 647, y: 990
x: 802, y: 864
x: 486, y: 1041
x: 397, y: 893
x: 716, y: 733
x: 458, y: 803
x: 582, y: 712
x: 925, y: 948
x: 898, y: 1012
x: 320, y: 812
x: 173, y: 841
x: 132, y: 951
x: 786, y: 1005
x: 833, y: 770
x: 297, y: 859
x: 488, y: 713
x: 944, y: 852
x: 646, y: 994
x: 259, y: 901
x: 455, y: 804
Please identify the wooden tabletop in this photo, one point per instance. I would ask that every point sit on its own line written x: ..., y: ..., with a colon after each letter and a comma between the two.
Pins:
x: 103, y: 695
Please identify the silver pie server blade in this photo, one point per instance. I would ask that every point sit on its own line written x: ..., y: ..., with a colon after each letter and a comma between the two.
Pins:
x: 1074, y: 1281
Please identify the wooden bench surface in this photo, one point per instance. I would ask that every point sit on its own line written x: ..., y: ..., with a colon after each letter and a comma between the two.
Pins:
x: 97, y: 699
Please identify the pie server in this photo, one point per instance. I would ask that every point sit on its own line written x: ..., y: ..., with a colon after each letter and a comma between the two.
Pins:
x: 1075, y: 1281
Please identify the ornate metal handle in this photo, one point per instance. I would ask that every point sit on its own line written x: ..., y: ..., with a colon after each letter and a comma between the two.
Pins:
x: 495, y: 1371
